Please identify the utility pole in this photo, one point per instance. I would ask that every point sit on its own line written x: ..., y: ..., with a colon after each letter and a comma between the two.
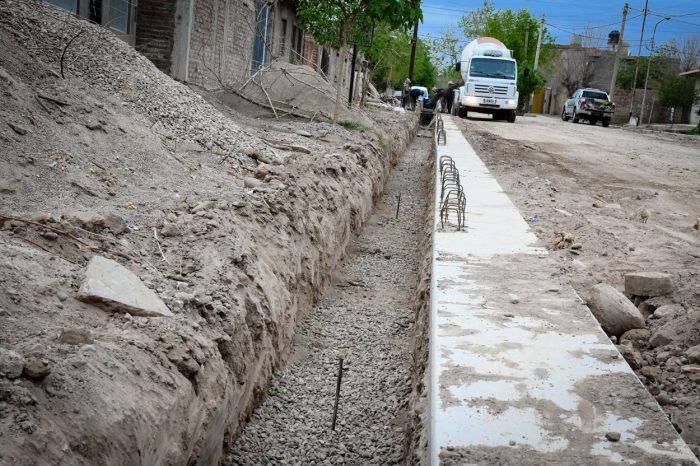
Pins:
x: 414, y: 41
x: 639, y: 54
x: 619, y: 52
x: 537, y: 57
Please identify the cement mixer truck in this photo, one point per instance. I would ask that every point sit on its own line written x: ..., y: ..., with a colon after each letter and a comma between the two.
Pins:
x: 490, y: 80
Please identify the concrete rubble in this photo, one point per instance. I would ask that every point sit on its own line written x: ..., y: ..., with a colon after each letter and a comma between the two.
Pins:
x: 116, y: 289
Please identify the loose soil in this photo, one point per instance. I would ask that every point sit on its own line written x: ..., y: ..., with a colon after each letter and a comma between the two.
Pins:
x: 235, y: 226
x: 367, y: 319
x: 598, y: 184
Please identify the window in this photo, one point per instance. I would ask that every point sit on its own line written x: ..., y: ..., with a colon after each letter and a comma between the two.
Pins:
x: 262, y: 29
x: 595, y: 95
x: 119, y: 15
x: 325, y: 61
x: 296, y: 54
x: 70, y: 5
x: 283, y: 37
x: 492, y: 68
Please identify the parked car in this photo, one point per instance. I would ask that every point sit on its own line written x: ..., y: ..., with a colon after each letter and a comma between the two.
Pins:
x: 589, y: 104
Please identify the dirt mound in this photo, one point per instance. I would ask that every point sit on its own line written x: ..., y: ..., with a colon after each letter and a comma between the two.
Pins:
x: 298, y: 89
x: 234, y: 233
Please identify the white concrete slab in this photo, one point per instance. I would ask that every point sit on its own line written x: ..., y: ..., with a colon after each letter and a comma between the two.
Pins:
x: 520, y: 371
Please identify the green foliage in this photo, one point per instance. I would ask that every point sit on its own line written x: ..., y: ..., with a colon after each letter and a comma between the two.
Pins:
x: 677, y: 91
x: 526, y: 85
x: 390, y: 53
x: 331, y: 21
x: 511, y: 28
x: 353, y: 126
x: 659, y: 66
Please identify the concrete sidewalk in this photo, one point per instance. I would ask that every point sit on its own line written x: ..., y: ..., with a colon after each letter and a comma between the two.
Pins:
x: 520, y: 371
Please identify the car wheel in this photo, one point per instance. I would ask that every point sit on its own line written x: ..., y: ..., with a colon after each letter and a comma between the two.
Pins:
x: 593, y: 121
x: 564, y: 116
x: 574, y: 118
x: 606, y: 122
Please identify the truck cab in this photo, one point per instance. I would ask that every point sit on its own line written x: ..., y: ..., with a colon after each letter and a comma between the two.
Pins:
x: 490, y: 80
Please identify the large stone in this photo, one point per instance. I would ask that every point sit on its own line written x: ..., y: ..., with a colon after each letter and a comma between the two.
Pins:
x: 633, y: 358
x: 693, y: 354
x: 669, y: 310
x: 116, y: 289
x: 615, y: 313
x: 665, y: 335
x: 638, y: 337
x: 648, y: 284
x: 11, y: 363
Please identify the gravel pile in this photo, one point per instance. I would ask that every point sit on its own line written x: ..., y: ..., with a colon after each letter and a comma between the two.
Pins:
x: 99, y: 58
x: 367, y: 319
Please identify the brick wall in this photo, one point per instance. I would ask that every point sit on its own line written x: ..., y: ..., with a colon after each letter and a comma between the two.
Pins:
x: 221, y: 42
x: 155, y: 25
x: 311, y: 52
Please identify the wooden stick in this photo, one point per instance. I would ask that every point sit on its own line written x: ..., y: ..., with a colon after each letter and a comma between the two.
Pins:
x: 155, y: 235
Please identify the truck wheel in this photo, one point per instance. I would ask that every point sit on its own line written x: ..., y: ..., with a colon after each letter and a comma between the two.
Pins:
x: 564, y: 116
x: 593, y: 121
x: 511, y: 117
x: 574, y: 118
x: 606, y: 122
x: 462, y: 112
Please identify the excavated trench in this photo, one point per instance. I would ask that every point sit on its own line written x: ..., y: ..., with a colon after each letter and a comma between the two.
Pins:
x: 370, y: 318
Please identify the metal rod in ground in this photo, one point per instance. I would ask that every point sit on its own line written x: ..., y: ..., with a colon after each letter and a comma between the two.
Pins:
x: 398, y: 205
x: 337, y: 392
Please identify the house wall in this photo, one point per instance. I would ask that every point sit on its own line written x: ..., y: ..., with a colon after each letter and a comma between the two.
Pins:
x: 155, y: 26
x: 695, y: 109
x: 221, y: 42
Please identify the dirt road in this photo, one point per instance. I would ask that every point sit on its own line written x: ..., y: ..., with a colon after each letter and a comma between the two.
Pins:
x: 630, y: 201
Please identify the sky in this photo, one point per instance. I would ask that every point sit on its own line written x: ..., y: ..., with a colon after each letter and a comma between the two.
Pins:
x: 564, y: 18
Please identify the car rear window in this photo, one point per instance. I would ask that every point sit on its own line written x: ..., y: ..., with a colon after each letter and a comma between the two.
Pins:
x: 595, y: 95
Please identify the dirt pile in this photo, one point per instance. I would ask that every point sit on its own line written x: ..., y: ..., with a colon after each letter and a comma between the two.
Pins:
x: 298, y: 89
x: 596, y: 193
x: 235, y: 228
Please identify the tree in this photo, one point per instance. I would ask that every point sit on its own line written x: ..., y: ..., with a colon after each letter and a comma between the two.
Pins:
x: 331, y: 21
x: 677, y: 91
x: 444, y: 49
x: 390, y: 53
x: 575, y: 69
x: 473, y: 24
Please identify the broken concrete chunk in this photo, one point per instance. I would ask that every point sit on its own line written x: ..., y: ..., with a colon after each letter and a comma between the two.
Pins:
x: 648, y: 284
x: 117, y: 289
x: 663, y: 336
x: 252, y: 183
x: 638, y: 337
x: 615, y: 313
x: 35, y: 369
x: 115, y: 224
x: 11, y: 363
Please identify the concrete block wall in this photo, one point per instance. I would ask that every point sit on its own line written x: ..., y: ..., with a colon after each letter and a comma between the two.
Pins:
x: 155, y: 25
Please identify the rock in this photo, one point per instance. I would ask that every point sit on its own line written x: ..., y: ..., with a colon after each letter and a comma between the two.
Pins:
x: 306, y: 134
x: 615, y: 313
x: 669, y: 310
x: 251, y: 183
x: 18, y: 129
x: 261, y: 171
x: 576, y: 246
x: 117, y: 289
x: 115, y: 224
x: 664, y: 400
x: 75, y: 336
x: 638, y: 337
x: 169, y: 230
x: 35, y: 369
x: 578, y: 265
x: 50, y: 235
x: 652, y: 405
x: 662, y: 337
x: 204, y: 205
x: 613, y: 436
x: 11, y: 363
x: 513, y: 298
x: 61, y: 296
x: 693, y: 354
x: 633, y: 358
x: 648, y: 284
x: 90, y: 221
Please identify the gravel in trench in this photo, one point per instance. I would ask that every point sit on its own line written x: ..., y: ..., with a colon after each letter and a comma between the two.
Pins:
x: 365, y: 317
